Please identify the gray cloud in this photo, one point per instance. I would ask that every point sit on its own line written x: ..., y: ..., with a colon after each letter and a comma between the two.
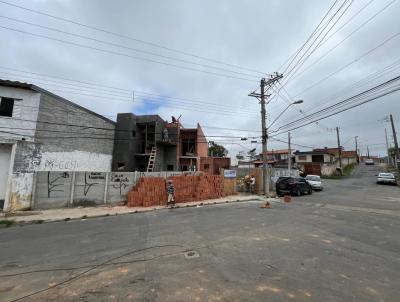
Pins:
x: 255, y: 34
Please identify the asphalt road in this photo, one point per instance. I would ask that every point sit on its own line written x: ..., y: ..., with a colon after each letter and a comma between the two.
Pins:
x: 341, y: 244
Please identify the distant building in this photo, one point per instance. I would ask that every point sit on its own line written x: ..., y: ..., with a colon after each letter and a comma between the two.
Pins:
x: 276, y: 158
x: 40, y: 131
x: 311, y: 162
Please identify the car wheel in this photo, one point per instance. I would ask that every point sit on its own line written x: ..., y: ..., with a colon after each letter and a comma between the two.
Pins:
x: 297, y: 192
x: 309, y: 191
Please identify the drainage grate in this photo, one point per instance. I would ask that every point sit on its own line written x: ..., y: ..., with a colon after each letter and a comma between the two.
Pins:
x: 191, y: 254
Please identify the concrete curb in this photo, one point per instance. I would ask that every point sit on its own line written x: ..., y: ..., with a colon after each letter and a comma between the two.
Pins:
x: 134, y: 211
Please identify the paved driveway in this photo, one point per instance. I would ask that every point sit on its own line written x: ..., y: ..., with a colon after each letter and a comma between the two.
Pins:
x: 341, y: 244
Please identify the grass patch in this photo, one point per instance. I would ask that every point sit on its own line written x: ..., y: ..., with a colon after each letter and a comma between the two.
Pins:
x: 347, y: 170
x: 6, y: 223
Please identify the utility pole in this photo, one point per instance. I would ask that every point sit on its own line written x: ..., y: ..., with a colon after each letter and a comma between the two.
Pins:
x: 339, y: 149
x: 368, y: 151
x: 264, y: 139
x: 387, y: 148
x: 355, y: 138
x: 262, y: 97
x: 289, y: 155
x: 396, y: 145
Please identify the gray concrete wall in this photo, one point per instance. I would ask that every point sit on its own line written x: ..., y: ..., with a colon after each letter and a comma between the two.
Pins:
x: 69, y: 189
x: 67, y: 147
x: 128, y: 145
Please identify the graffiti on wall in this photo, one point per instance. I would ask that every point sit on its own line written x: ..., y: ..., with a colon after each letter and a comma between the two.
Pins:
x: 120, y: 182
x: 52, y: 185
x: 89, y: 177
x: 75, y: 161
x: 53, y: 164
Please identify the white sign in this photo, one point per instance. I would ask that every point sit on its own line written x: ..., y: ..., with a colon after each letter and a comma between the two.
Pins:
x: 230, y: 173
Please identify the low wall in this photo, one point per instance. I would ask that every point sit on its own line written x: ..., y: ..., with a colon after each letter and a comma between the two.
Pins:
x: 69, y: 189
x: 152, y: 191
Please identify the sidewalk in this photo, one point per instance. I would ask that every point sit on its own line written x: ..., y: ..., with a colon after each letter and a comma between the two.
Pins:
x: 101, y: 211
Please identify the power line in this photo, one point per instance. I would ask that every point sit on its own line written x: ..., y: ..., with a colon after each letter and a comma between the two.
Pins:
x: 127, y: 37
x: 300, y: 62
x: 389, y: 91
x: 348, y: 64
x: 353, y: 99
x: 127, y: 47
x: 345, y: 38
x: 123, y: 54
x: 107, y: 88
x: 360, y: 83
x: 294, y: 56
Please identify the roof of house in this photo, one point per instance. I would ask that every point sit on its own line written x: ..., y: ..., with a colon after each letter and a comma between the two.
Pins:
x: 282, y: 151
x: 349, y: 154
x: 21, y: 85
x: 314, y: 152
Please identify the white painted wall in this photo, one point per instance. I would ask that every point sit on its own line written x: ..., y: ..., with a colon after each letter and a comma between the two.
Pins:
x: 5, y: 156
x: 75, y: 161
x: 25, y: 113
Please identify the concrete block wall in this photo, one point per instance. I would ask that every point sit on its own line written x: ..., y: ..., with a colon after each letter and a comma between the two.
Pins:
x: 65, y: 147
x: 59, y: 189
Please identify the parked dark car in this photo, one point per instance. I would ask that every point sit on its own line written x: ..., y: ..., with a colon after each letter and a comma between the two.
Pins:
x: 292, y: 185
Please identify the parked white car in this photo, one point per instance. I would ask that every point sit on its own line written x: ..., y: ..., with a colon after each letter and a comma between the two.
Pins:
x: 315, y: 182
x: 369, y: 161
x: 386, y: 178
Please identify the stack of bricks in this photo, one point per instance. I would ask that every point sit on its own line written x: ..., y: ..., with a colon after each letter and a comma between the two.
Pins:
x: 150, y: 191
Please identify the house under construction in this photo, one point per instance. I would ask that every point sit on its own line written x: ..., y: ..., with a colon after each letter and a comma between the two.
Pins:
x: 148, y: 143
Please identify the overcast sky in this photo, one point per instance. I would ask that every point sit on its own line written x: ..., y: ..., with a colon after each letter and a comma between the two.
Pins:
x: 258, y: 36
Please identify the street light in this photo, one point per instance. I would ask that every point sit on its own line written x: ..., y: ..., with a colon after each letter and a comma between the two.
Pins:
x: 294, y: 103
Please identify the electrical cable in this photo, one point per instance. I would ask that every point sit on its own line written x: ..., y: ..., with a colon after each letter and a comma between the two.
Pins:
x: 348, y: 64
x: 126, y: 47
x: 125, y: 36
x: 122, y: 54
x: 345, y: 38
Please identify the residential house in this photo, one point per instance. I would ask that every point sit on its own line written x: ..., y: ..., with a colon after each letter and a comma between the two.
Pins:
x: 348, y: 157
x: 313, y: 162
x: 41, y: 131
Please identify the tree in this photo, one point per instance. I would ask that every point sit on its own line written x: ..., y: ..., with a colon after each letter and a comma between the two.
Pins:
x: 216, y: 150
x: 392, y: 152
x: 252, y: 154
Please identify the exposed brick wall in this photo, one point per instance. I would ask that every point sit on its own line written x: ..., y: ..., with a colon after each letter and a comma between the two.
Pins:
x: 213, y: 165
x: 151, y: 191
x: 202, y: 146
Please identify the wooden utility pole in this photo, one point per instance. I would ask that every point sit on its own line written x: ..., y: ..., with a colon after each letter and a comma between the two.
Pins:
x: 396, y: 145
x: 339, y: 149
x: 289, y: 155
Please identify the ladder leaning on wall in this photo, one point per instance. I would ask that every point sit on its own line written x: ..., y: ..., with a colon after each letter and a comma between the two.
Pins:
x: 152, y: 159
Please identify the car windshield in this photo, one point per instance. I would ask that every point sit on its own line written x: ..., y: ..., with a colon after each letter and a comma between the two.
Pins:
x: 313, y: 178
x: 386, y: 175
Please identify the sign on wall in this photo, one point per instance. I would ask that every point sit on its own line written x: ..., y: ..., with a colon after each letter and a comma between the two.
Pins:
x: 230, y: 173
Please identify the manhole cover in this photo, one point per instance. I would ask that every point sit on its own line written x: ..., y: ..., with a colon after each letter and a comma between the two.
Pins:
x: 192, y: 254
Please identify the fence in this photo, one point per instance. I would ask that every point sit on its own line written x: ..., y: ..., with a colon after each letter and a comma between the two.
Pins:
x: 275, y: 173
x: 69, y: 189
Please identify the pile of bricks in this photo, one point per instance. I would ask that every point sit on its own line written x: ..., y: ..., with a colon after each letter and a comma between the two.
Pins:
x: 151, y: 191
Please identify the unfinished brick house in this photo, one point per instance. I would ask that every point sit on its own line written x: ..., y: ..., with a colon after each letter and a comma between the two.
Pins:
x: 148, y: 143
